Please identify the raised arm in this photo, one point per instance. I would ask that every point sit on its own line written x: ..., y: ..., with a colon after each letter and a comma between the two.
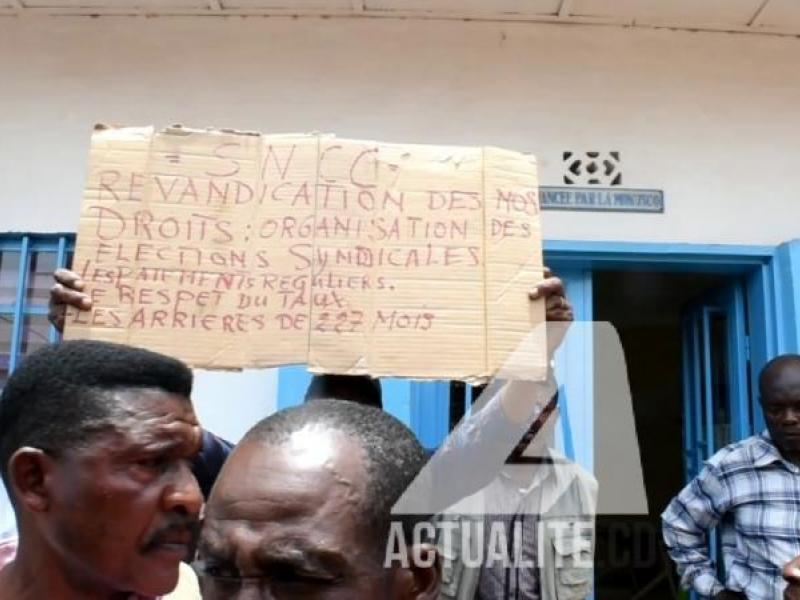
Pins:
x: 472, y: 456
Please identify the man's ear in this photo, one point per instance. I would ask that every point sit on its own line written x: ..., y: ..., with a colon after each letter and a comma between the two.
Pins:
x: 425, y: 572
x: 29, y: 472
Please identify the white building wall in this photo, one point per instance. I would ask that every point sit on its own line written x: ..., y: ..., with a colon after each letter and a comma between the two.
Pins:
x: 712, y: 119
x: 229, y: 403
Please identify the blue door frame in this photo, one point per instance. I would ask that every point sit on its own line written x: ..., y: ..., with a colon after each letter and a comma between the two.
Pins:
x: 771, y: 276
x: 772, y: 287
x: 717, y: 403
x: 728, y: 303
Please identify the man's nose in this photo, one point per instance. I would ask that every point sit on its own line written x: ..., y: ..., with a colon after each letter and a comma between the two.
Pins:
x: 254, y: 591
x: 183, y: 494
x: 791, y: 416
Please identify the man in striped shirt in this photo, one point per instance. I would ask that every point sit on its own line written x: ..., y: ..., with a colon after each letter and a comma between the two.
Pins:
x: 751, y: 490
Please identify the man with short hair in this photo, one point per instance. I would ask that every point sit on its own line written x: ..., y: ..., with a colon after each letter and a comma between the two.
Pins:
x: 95, y: 445
x: 751, y: 489
x: 302, y: 509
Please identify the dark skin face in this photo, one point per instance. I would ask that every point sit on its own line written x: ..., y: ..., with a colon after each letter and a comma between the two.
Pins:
x: 284, y: 522
x: 780, y: 400
x: 117, y: 515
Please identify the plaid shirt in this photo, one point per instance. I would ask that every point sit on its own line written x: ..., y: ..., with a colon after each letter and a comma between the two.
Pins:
x: 753, y: 493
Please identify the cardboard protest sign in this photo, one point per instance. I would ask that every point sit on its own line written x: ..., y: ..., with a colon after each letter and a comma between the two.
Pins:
x: 233, y: 250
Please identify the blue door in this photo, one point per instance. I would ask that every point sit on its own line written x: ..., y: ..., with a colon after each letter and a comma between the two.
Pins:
x: 716, y: 394
x: 716, y: 391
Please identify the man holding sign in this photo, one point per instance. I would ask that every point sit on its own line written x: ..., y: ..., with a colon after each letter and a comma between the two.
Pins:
x: 398, y: 248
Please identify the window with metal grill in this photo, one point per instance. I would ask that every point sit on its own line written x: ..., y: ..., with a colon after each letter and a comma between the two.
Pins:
x: 27, y: 263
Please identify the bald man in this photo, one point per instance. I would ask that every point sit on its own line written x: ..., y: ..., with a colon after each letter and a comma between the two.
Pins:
x: 751, y: 489
x: 303, y: 509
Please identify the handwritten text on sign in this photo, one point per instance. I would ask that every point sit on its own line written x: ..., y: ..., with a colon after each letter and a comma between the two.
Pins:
x: 234, y: 250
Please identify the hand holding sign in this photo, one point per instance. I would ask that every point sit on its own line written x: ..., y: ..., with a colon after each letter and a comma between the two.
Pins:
x: 68, y: 291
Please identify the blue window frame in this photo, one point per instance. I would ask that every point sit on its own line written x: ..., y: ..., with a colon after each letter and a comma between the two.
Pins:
x: 27, y: 263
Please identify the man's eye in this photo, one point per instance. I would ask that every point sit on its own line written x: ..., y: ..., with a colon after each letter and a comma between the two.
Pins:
x: 154, y: 463
x: 221, y: 571
x: 294, y: 577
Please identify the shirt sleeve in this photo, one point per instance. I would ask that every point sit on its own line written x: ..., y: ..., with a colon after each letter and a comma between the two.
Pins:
x: 686, y: 523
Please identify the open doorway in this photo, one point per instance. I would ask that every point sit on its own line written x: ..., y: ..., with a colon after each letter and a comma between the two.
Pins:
x: 649, y: 310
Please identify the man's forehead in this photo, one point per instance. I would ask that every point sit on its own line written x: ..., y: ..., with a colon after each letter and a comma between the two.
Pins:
x: 150, y: 401
x: 250, y: 498
x: 278, y: 529
x: 309, y: 550
x: 274, y: 540
x: 307, y: 474
x: 147, y: 416
x: 785, y: 382
x: 153, y: 400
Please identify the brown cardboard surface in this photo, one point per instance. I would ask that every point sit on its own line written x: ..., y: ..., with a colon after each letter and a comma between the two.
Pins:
x: 234, y: 250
